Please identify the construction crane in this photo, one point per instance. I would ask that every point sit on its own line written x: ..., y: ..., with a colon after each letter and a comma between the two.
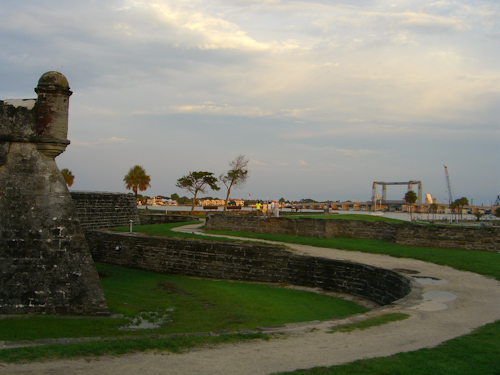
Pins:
x: 448, y: 184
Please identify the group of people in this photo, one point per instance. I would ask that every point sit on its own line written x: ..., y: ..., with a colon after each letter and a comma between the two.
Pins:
x: 268, y: 209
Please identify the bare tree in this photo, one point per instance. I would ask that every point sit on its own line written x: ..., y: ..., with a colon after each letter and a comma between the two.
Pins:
x: 236, y: 176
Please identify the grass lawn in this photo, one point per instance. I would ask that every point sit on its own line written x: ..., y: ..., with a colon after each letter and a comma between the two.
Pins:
x: 176, y: 344
x: 165, y: 230
x: 183, y: 305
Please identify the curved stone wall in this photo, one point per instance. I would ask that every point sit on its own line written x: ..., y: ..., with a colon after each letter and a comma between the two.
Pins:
x: 246, y: 262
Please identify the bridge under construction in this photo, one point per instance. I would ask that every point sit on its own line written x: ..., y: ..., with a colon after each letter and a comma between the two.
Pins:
x: 382, y: 201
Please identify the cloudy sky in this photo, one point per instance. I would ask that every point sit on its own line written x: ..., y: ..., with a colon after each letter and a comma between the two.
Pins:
x: 323, y: 97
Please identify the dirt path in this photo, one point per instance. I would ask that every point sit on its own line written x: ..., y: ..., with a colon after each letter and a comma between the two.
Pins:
x: 446, y: 304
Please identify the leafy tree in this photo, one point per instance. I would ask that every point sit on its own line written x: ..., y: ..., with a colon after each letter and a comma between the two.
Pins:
x: 497, y: 212
x: 478, y: 215
x: 282, y: 200
x: 411, y: 198
x: 137, y: 179
x: 236, y: 176
x: 231, y: 203
x: 68, y: 176
x: 184, y: 200
x: 307, y: 200
x: 195, y: 182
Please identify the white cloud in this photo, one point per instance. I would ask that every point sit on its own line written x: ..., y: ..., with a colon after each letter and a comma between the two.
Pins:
x: 224, y: 110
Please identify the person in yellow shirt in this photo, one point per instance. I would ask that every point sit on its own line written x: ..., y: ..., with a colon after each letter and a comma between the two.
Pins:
x: 258, y: 207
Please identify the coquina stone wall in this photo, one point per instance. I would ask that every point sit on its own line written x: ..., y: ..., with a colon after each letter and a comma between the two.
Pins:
x: 255, y: 263
x: 468, y: 238
x: 97, y: 209
x: 105, y: 210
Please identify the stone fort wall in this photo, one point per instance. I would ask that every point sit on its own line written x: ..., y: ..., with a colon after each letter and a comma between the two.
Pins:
x: 244, y: 262
x: 97, y: 209
x: 45, y: 263
x: 105, y: 210
x: 442, y: 236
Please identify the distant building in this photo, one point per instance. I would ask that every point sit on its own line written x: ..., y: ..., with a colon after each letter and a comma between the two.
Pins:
x: 238, y: 202
x: 211, y: 202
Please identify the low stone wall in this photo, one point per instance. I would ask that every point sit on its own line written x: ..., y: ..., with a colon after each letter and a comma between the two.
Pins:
x: 467, y: 238
x: 244, y: 262
x: 105, y: 210
x: 307, y: 227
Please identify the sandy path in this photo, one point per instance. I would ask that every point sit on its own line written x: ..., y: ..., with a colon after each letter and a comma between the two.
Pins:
x: 455, y: 305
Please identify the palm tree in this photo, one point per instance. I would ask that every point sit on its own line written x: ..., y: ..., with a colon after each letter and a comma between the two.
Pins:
x: 68, y: 176
x: 462, y: 202
x: 410, y: 198
x: 136, y: 178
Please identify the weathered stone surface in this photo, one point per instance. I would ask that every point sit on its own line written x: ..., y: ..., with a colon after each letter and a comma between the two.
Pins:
x: 467, y: 238
x: 223, y: 260
x: 105, y: 210
x: 45, y: 264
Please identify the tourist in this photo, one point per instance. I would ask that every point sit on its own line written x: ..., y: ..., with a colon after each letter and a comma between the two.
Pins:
x: 276, y: 209
x: 258, y: 207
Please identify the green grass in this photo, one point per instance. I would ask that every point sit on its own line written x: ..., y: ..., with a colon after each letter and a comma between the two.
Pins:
x: 165, y: 230
x: 176, y: 344
x: 187, y: 304
x: 370, y: 322
x: 162, y: 230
